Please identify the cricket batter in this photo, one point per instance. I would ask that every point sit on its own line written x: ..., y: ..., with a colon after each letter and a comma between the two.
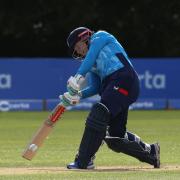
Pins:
x: 108, y: 72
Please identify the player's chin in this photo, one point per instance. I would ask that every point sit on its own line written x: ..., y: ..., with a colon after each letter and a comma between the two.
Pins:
x: 83, y: 55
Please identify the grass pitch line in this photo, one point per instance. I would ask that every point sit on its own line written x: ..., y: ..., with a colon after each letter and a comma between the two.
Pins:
x: 56, y: 170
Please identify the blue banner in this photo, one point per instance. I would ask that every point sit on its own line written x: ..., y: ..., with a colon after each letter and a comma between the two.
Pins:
x: 149, y: 104
x: 45, y: 78
x: 159, y: 77
x: 21, y: 105
x: 34, y: 78
x: 174, y: 104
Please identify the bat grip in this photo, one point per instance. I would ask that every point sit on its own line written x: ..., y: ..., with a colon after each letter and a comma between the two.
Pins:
x: 56, y: 114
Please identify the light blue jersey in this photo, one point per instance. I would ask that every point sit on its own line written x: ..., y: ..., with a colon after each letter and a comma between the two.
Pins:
x: 100, y: 61
x: 101, y: 57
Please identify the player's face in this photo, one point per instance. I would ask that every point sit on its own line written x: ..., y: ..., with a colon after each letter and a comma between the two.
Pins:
x: 80, y: 49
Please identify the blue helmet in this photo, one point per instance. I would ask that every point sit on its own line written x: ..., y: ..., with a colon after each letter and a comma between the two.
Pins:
x: 78, y: 34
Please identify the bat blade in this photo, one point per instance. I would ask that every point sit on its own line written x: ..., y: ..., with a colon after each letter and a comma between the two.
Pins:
x: 42, y: 133
x: 37, y: 141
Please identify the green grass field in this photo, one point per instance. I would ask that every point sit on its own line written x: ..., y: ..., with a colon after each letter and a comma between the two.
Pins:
x: 17, y: 128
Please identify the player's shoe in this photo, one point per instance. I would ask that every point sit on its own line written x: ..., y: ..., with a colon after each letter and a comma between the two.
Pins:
x: 156, y: 154
x: 74, y: 165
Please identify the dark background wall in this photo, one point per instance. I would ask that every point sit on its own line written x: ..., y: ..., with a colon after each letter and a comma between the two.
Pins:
x: 146, y: 28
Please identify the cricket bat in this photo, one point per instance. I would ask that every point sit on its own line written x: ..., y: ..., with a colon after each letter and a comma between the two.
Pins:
x: 42, y: 133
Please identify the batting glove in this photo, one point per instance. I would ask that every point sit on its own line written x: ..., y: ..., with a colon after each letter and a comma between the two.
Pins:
x: 68, y: 100
x: 74, y: 84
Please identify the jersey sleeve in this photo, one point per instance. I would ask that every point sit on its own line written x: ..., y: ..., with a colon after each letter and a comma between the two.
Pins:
x: 95, y: 47
x: 93, y: 85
